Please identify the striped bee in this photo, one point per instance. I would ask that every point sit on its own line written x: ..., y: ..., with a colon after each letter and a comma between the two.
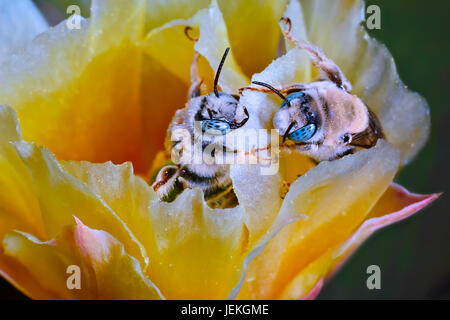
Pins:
x: 322, y: 119
x: 206, y: 119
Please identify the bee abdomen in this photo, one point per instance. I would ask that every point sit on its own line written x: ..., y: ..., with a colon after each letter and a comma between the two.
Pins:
x: 195, y: 179
x: 223, y: 197
x: 217, y: 187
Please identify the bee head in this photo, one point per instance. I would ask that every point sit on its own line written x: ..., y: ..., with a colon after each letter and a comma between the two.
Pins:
x: 220, y: 112
x: 298, y: 117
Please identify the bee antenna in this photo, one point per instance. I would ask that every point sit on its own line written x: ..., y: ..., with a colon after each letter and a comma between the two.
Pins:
x: 219, y: 70
x: 273, y: 89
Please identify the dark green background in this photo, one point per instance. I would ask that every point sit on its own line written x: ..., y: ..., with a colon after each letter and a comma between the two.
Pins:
x: 414, y: 255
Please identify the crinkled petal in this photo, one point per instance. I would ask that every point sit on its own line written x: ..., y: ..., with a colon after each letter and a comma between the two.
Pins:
x: 195, y: 252
x: 396, y: 204
x: 20, y: 22
x: 61, y: 196
x: 106, y: 270
x: 39, y: 198
x: 259, y: 196
x: 336, y: 197
x: 19, y: 206
x: 127, y: 195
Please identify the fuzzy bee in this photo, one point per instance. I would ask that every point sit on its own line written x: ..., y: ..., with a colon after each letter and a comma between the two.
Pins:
x: 206, y: 119
x: 322, y: 119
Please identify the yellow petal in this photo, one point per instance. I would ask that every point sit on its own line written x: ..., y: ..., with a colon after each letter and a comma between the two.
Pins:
x: 61, y: 196
x: 127, y: 195
x: 253, y: 28
x: 118, y: 275
x: 19, y: 276
x: 19, y: 207
x: 37, y: 196
x: 40, y: 259
x: 194, y: 252
x: 396, y: 204
x: 336, y: 197
x: 169, y: 46
x: 160, y: 12
x: 9, y: 126
x: 77, y: 91
x: 106, y: 270
x: 159, y: 103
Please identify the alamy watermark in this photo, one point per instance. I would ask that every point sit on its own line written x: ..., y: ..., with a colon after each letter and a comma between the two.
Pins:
x: 211, y: 147
x: 74, y: 279
x: 74, y: 21
x: 373, y: 19
x: 374, y: 280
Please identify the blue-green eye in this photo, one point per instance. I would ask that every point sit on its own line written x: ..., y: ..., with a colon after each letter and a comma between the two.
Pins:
x: 303, y: 134
x: 215, y: 127
x: 292, y: 96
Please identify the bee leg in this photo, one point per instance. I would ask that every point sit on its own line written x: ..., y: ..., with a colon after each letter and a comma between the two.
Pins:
x: 287, y: 90
x: 296, y: 87
x: 167, y: 184
x: 262, y: 89
x: 329, y: 69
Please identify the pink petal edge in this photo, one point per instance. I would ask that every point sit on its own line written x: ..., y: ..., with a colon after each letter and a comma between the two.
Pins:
x: 414, y: 203
x: 314, y: 291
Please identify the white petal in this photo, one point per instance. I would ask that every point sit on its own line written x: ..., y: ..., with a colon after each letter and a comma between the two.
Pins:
x: 20, y: 21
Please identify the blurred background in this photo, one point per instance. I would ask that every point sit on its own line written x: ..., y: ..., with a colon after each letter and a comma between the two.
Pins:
x: 414, y: 255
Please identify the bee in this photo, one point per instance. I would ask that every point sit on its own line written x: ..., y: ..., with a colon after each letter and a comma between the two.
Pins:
x: 322, y: 119
x: 207, y: 119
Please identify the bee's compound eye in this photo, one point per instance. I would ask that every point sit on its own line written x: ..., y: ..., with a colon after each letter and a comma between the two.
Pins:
x: 215, y: 127
x: 303, y: 134
x: 347, y: 138
x: 292, y: 96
